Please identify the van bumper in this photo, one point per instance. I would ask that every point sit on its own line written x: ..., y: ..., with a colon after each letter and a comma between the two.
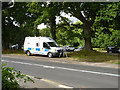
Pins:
x: 55, y: 54
x: 58, y: 54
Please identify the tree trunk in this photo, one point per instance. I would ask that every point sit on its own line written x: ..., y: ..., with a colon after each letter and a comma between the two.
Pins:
x: 53, y: 27
x: 87, y: 37
x: 5, y: 45
x: 5, y: 35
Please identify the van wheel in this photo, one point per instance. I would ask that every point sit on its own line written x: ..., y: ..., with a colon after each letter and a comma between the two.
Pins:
x: 28, y: 53
x: 50, y: 55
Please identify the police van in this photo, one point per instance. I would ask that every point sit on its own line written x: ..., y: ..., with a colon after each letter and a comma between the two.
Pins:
x: 42, y: 46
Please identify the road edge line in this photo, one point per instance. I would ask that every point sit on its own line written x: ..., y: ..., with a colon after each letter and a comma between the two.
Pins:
x: 52, y: 82
x: 56, y: 83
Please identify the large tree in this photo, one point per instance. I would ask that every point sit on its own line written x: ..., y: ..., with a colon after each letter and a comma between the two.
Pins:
x: 46, y: 13
x: 16, y: 24
x: 70, y: 34
x: 86, y: 12
x: 107, y: 26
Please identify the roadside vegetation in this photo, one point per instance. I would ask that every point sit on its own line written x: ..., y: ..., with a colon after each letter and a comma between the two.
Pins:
x: 10, y: 78
x: 100, y: 49
x: 97, y: 55
x: 11, y: 51
x: 23, y: 19
x: 94, y: 56
x: 97, y: 25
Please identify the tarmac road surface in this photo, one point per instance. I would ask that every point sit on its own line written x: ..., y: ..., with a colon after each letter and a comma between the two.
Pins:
x: 72, y: 75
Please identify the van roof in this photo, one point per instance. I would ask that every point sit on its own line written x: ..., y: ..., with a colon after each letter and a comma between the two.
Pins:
x: 45, y: 39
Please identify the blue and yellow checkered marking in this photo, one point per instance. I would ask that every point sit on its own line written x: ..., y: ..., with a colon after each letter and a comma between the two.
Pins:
x: 37, y: 49
x: 47, y: 50
x: 29, y: 48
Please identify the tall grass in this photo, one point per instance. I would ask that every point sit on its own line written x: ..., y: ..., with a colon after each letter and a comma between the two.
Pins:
x: 92, y: 56
x: 10, y: 51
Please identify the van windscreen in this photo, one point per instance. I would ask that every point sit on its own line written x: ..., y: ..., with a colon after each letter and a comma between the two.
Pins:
x: 52, y: 44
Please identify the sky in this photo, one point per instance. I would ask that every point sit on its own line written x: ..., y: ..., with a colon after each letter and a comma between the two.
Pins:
x: 72, y: 19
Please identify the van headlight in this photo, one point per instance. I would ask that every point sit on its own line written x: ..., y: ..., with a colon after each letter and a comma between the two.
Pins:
x: 53, y: 50
x: 56, y: 50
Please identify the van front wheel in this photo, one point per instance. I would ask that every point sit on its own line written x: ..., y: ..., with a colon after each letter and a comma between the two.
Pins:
x: 28, y: 53
x: 50, y: 55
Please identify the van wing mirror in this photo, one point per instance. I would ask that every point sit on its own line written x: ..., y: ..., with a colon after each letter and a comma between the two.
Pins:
x: 47, y: 47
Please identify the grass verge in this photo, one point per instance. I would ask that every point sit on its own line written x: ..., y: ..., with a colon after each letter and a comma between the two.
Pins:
x: 100, y: 49
x: 85, y: 56
x: 9, y: 51
x: 93, y: 56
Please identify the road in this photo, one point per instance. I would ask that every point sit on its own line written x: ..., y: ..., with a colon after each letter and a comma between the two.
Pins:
x: 73, y: 75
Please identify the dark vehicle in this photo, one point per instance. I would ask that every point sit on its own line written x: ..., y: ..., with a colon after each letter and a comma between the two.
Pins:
x: 68, y: 48
x: 15, y: 47
x: 79, y: 48
x: 113, y: 49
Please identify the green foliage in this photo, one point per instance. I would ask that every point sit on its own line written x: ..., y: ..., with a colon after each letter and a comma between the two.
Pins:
x: 10, y: 77
x: 46, y: 13
x: 106, y: 26
x: 103, y: 40
x: 97, y: 20
x: 109, y: 16
x: 70, y: 34
x: 45, y: 32
x: 86, y: 13
x: 16, y: 24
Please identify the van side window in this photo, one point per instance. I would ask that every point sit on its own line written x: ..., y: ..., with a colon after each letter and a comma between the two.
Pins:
x: 45, y: 45
x: 37, y: 44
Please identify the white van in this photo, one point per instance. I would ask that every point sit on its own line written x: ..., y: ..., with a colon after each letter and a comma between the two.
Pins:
x: 42, y: 46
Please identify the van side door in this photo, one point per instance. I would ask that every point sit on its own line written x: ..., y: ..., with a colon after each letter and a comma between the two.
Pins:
x: 37, y: 48
x: 46, y: 48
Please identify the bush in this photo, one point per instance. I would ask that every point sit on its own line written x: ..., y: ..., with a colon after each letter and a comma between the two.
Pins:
x: 10, y: 77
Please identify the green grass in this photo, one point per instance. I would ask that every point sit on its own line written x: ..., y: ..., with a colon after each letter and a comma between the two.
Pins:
x: 9, y: 51
x: 118, y: 62
x: 92, y: 56
x: 86, y: 56
x: 100, y: 49
x: 114, y: 61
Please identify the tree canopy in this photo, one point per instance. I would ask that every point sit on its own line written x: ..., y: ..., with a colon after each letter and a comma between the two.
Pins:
x: 98, y: 26
x: 16, y: 24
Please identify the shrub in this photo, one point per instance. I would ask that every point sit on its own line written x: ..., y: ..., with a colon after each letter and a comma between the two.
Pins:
x: 10, y: 77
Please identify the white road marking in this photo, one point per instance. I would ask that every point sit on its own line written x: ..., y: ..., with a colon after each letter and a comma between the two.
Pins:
x: 56, y: 83
x: 49, y: 67
x: 63, y: 86
x: 69, y: 69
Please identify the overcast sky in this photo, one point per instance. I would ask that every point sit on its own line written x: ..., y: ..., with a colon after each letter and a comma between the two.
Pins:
x: 72, y: 19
